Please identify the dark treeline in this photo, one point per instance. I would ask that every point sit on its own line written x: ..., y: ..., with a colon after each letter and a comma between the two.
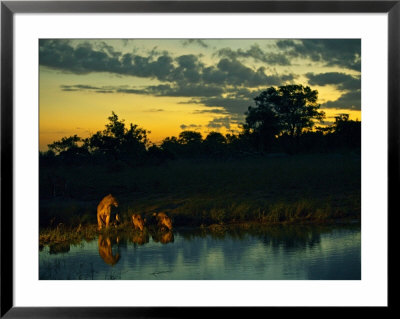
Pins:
x: 283, y: 120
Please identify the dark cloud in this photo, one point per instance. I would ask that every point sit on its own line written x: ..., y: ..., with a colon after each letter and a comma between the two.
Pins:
x: 233, y: 98
x: 154, y: 52
x: 351, y: 85
x: 235, y: 73
x: 130, y: 91
x: 180, y: 90
x: 79, y: 87
x: 190, y: 127
x: 83, y: 87
x: 235, y: 101
x: 216, y: 111
x: 220, y: 122
x: 108, y: 49
x: 84, y: 58
x: 87, y: 88
x: 154, y: 110
x: 257, y: 54
x: 228, y: 84
x: 332, y: 52
x: 70, y: 90
x: 186, y: 73
x: 231, y: 105
x: 195, y: 41
x: 228, y: 122
x: 104, y: 91
x: 350, y: 100
x: 341, y: 80
x: 159, y: 68
x: 61, y: 55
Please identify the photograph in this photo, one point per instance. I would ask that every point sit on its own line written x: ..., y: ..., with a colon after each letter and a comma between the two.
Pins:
x: 199, y: 159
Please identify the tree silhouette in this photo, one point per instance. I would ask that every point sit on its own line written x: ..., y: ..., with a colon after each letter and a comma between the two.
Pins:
x: 171, y: 146
x: 119, y: 142
x: 347, y: 132
x: 214, y: 143
x: 115, y: 128
x: 281, y: 121
x: 288, y: 109
x: 215, y: 138
x: 262, y: 125
x: 190, y: 138
x: 65, y: 144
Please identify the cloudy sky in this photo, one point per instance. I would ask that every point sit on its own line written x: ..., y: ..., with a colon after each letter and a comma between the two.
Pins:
x: 170, y: 85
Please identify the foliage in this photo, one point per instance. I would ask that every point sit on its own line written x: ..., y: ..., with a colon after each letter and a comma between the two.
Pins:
x: 119, y: 142
x: 115, y: 143
x: 215, y: 143
x: 190, y: 138
x: 262, y: 123
x: 65, y: 144
x: 282, y: 121
x: 289, y: 109
x: 347, y: 132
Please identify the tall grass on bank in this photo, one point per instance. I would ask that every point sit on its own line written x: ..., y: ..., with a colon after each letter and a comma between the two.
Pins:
x: 266, y: 189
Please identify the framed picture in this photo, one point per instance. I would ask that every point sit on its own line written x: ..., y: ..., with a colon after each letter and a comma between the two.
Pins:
x: 196, y: 154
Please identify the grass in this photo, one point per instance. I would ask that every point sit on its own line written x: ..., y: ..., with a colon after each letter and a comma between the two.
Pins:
x: 60, y: 239
x: 312, y: 188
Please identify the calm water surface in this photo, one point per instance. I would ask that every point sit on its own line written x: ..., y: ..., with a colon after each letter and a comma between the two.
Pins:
x: 277, y: 253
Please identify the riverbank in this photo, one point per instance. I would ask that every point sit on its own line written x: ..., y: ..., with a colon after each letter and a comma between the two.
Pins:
x: 62, y: 235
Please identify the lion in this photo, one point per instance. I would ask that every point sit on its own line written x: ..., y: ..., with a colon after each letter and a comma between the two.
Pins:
x: 104, y: 210
x: 163, y: 220
x: 138, y: 222
x: 116, y: 222
x: 105, y: 250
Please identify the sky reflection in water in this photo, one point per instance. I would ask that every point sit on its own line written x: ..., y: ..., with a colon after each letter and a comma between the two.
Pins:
x: 277, y: 253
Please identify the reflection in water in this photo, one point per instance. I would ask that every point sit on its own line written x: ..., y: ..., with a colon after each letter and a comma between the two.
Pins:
x: 159, y: 236
x: 164, y: 237
x: 245, y: 252
x: 105, y: 250
x: 59, y: 248
x: 140, y: 237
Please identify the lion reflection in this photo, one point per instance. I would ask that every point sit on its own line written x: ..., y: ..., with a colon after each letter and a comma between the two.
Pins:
x: 105, y: 250
x: 163, y: 237
x: 140, y: 238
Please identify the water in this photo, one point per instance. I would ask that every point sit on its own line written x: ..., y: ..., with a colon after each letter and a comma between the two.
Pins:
x: 277, y: 253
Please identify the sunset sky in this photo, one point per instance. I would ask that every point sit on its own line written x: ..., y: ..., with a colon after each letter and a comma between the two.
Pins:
x: 167, y: 86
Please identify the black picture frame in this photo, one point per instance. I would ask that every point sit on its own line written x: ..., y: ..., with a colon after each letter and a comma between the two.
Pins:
x: 9, y: 8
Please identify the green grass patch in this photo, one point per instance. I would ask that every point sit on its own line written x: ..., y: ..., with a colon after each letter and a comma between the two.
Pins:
x: 286, y: 189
